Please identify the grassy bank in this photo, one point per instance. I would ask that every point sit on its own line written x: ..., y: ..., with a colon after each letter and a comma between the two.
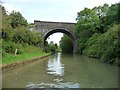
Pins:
x: 18, y: 42
x: 24, y: 52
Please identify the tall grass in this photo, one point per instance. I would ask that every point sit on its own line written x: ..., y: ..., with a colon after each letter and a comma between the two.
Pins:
x: 26, y: 52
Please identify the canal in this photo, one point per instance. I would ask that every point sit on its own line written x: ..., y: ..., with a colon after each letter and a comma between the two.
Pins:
x: 62, y: 71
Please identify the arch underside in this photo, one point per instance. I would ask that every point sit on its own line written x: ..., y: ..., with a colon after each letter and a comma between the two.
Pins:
x: 67, y: 32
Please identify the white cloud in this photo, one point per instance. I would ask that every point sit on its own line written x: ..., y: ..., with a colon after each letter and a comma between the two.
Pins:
x: 63, y: 1
x: 10, y: 7
x: 35, y: 1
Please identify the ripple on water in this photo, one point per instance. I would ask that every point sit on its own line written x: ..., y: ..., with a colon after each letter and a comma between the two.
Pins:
x: 52, y: 85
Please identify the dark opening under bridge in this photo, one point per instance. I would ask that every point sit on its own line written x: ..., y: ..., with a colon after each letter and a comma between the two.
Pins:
x: 47, y: 28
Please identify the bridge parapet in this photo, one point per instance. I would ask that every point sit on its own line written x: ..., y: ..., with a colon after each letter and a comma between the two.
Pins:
x: 44, y: 26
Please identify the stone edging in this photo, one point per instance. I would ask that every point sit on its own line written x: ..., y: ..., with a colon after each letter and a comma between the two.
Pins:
x: 12, y: 65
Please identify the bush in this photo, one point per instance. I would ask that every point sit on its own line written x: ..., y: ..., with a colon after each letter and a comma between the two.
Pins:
x: 66, y: 44
x: 104, y: 46
x: 47, y: 49
x: 10, y: 47
x: 84, y: 36
x: 22, y: 35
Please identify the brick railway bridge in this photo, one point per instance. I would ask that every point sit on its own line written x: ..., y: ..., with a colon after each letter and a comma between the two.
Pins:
x: 46, y: 28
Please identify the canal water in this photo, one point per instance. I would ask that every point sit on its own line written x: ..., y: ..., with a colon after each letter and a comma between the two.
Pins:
x: 63, y: 71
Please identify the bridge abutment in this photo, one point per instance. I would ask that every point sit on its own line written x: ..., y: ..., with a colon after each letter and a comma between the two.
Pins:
x: 47, y: 28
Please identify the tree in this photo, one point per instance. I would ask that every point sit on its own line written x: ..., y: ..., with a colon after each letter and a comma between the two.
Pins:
x: 17, y: 19
x: 4, y: 12
x: 56, y: 45
x: 112, y: 16
x: 87, y: 20
x: 7, y: 32
x: 101, y: 12
x: 22, y: 35
x: 97, y: 33
x: 51, y: 47
x: 66, y: 44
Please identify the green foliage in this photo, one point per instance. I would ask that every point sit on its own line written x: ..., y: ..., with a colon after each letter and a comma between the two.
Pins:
x: 7, y: 32
x: 26, y: 53
x: 112, y: 15
x: 101, y: 12
x: 50, y: 47
x: 107, y: 48
x: 10, y: 47
x: 22, y: 35
x: 87, y: 20
x: 97, y: 33
x: 46, y: 47
x: 98, y: 19
x: 84, y: 36
x: 66, y: 44
x: 17, y: 19
x: 14, y: 28
x: 15, y: 34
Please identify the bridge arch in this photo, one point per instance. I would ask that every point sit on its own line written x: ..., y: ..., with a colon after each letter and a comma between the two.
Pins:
x: 62, y: 30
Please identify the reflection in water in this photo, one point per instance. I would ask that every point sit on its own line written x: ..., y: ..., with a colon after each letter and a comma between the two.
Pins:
x: 55, y: 67
x: 62, y: 71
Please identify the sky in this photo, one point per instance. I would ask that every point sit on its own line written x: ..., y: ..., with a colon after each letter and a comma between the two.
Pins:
x: 52, y: 10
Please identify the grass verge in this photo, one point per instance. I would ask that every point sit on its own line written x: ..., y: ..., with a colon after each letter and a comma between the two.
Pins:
x: 28, y: 52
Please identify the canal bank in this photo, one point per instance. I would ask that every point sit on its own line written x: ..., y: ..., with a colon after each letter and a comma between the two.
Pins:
x: 6, y: 67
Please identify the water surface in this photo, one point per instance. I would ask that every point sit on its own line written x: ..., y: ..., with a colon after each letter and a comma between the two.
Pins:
x: 63, y: 71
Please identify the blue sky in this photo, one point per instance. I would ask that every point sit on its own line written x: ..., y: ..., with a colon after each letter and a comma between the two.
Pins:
x: 52, y: 10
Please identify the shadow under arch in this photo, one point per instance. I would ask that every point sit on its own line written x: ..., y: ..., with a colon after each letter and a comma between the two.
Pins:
x: 65, y: 31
